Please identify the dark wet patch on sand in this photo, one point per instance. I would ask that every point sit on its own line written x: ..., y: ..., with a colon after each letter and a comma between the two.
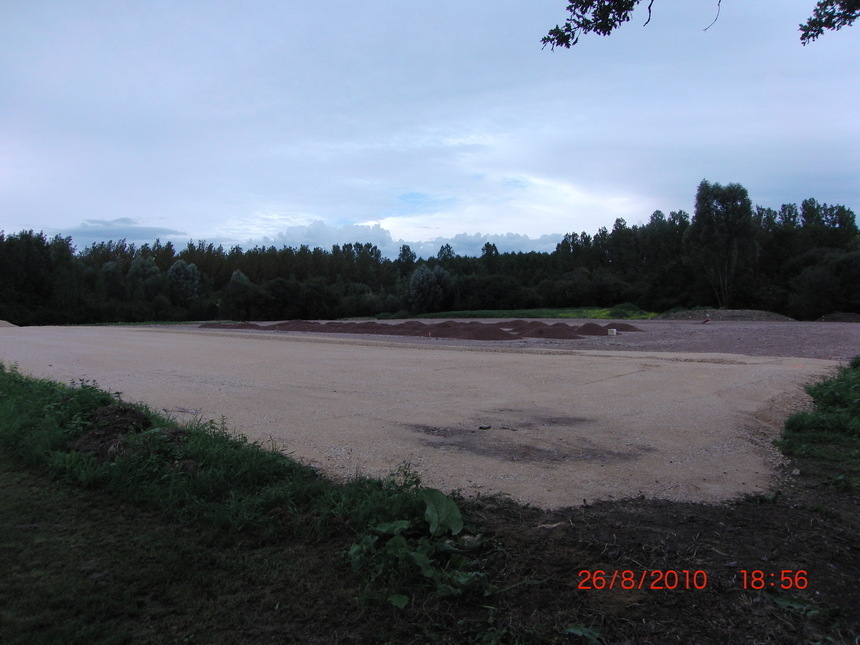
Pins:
x: 503, y: 443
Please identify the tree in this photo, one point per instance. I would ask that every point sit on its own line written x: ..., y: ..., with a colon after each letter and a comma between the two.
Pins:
x: 445, y: 254
x: 406, y: 260
x: 602, y: 17
x: 490, y: 257
x: 184, y: 282
x: 721, y: 235
x: 241, y: 294
x: 429, y: 289
x: 144, y: 278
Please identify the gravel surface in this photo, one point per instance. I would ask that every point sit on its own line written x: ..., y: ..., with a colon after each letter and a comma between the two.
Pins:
x: 680, y: 410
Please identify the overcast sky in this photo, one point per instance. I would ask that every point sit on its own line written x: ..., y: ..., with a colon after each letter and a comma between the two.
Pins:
x: 285, y: 122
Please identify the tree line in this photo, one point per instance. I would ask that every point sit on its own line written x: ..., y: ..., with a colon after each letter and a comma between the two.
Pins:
x: 800, y: 261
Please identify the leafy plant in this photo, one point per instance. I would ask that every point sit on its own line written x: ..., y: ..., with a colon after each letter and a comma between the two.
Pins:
x: 403, y: 553
x: 442, y: 513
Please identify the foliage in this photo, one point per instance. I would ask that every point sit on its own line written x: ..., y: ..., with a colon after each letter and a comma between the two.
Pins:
x: 403, y: 555
x: 830, y: 432
x: 602, y: 17
x: 829, y: 15
x: 184, y: 282
x: 721, y: 235
x: 429, y: 289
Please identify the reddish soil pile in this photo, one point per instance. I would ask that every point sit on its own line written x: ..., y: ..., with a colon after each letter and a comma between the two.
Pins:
x: 463, y: 330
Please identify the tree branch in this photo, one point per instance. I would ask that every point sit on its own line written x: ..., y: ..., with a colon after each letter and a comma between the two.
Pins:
x: 719, y: 3
x: 650, y: 4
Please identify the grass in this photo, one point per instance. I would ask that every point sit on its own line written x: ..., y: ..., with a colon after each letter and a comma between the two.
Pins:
x: 200, y: 472
x: 402, y: 540
x: 81, y: 567
x: 193, y: 534
x: 829, y: 435
x: 625, y: 310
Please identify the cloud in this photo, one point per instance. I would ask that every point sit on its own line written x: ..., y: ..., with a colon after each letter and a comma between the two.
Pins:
x: 321, y: 235
x: 318, y: 234
x: 465, y: 244
x: 122, y: 228
x: 233, y: 124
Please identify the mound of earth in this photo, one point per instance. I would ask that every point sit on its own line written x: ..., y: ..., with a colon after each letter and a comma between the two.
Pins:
x: 461, y: 330
x: 723, y: 314
x: 3, y: 323
x: 112, y: 425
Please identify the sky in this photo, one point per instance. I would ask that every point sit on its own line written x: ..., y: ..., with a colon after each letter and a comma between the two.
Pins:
x: 277, y: 122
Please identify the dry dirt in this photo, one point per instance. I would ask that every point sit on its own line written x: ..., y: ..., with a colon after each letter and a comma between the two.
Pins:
x: 679, y: 411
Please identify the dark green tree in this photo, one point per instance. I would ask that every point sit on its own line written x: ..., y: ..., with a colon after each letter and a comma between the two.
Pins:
x: 405, y: 261
x: 430, y: 289
x: 241, y: 295
x: 144, y: 278
x: 111, y: 281
x: 445, y: 254
x: 721, y: 236
x: 490, y: 257
x: 183, y: 280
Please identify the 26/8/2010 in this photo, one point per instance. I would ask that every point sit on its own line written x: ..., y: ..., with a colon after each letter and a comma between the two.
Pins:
x: 653, y: 579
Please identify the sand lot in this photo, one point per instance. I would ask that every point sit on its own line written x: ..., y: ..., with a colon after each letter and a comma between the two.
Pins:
x: 548, y: 423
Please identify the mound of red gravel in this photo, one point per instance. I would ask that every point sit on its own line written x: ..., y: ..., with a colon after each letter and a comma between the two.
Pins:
x: 462, y: 330
x: 592, y: 329
x: 621, y: 327
x: 238, y: 325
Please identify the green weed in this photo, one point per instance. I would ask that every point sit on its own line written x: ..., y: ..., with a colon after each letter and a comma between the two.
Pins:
x: 830, y: 433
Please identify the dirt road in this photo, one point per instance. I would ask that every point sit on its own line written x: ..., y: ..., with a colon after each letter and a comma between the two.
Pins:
x: 548, y: 426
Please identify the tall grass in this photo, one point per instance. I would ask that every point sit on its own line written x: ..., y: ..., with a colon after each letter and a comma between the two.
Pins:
x: 830, y: 433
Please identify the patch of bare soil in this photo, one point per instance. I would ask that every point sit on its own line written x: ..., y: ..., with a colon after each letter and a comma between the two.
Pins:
x: 689, y: 560
x: 112, y: 425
